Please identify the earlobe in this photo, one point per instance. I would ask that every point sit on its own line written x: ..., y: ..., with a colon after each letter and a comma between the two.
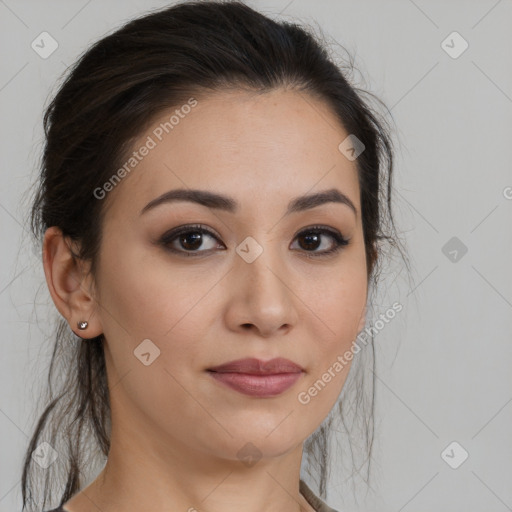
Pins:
x: 69, y: 286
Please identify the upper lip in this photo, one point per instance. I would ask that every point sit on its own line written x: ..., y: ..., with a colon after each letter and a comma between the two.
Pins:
x: 258, y: 367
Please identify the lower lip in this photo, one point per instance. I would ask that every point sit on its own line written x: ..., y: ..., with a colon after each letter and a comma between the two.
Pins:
x: 257, y: 385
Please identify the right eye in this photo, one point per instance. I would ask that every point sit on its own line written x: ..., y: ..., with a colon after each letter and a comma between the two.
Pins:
x: 190, y: 238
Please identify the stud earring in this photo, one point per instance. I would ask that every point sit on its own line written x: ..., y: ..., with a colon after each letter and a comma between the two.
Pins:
x: 82, y: 325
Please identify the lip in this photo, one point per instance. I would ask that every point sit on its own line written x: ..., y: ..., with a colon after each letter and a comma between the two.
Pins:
x: 254, y: 366
x: 255, y: 377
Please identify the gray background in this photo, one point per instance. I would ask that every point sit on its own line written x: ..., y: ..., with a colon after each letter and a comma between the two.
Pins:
x: 443, y: 365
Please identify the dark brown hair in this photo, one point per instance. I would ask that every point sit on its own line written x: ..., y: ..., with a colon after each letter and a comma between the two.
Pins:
x: 110, y: 95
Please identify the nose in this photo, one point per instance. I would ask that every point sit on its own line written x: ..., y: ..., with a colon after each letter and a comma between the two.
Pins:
x: 262, y: 298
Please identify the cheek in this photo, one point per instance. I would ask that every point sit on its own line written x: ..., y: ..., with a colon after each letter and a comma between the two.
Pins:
x: 145, y: 297
x: 344, y: 307
x: 335, y: 310
x: 139, y: 292
x: 336, y: 302
x: 142, y: 298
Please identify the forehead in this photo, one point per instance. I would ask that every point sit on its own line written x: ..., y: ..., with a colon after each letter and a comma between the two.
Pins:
x: 255, y: 147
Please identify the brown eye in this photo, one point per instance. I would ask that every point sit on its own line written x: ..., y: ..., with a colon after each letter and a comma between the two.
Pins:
x: 191, y: 240
x: 312, y: 238
x: 311, y: 241
x: 187, y: 240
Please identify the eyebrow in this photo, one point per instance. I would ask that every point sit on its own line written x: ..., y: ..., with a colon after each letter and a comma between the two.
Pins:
x: 228, y: 204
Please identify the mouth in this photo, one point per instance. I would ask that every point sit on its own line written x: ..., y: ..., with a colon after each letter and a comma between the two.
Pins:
x: 258, y: 378
x: 257, y: 385
x: 253, y: 366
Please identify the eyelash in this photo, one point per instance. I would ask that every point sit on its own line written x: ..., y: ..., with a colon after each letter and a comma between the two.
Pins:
x: 339, y: 240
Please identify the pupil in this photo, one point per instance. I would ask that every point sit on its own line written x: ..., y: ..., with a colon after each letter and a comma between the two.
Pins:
x: 196, y: 236
x: 310, y: 237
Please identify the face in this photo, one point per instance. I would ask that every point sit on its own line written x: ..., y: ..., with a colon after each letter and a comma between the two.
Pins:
x: 257, y: 282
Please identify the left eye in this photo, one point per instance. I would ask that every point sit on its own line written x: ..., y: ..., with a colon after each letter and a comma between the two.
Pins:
x: 312, y: 236
x: 191, y: 239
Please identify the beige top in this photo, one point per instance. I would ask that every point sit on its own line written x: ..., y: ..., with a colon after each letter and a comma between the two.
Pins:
x: 313, y: 499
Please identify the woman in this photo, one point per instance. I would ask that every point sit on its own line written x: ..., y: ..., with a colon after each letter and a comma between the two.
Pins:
x: 211, y: 201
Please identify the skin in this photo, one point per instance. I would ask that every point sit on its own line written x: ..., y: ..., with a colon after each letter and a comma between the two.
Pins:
x: 175, y: 430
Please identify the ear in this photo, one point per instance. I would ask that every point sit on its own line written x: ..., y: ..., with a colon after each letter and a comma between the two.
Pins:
x: 71, y: 289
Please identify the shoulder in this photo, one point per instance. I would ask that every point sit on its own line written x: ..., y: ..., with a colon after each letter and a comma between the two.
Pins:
x: 318, y: 504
